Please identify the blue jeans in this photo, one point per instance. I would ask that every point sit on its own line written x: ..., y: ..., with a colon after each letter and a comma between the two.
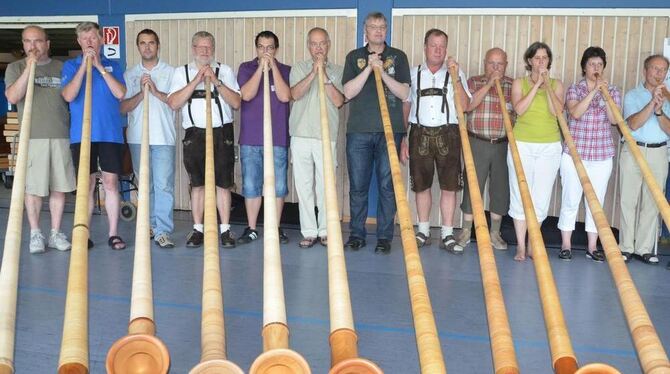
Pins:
x: 251, y: 159
x: 367, y: 152
x: 161, y: 186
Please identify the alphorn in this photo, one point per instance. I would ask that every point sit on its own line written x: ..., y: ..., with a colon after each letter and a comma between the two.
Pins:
x: 562, y: 354
x: 276, y: 356
x: 655, y: 190
x: 652, y: 356
x: 212, y: 331
x: 666, y: 92
x: 431, y: 360
x: 140, y: 351
x: 502, y: 344
x: 343, y: 338
x: 9, y: 273
x: 74, y: 345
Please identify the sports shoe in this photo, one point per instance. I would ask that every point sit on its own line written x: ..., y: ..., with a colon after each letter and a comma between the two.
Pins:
x: 163, y: 240
x: 463, y: 237
x: 227, y: 240
x: 248, y: 236
x: 36, y: 242
x: 194, y: 239
x: 58, y: 240
x: 497, y: 241
x: 283, y: 238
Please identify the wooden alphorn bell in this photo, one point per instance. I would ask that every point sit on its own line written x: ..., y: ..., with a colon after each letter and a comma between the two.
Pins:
x: 502, y: 344
x: 431, y: 360
x: 343, y: 337
x: 140, y: 351
x: 9, y: 272
x: 74, y: 345
x: 562, y: 355
x: 212, y: 331
x: 276, y: 357
x: 655, y: 190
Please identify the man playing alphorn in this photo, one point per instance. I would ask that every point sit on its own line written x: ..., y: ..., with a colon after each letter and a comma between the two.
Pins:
x: 157, y: 74
x: 646, y: 112
x: 188, y: 95
x: 305, y: 131
x: 488, y: 140
x: 434, y: 140
x: 50, y: 171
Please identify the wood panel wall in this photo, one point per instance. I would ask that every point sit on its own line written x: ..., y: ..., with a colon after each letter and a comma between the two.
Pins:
x: 627, y: 40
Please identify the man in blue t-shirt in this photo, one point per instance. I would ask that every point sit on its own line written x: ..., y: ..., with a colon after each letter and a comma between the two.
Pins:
x: 108, y: 88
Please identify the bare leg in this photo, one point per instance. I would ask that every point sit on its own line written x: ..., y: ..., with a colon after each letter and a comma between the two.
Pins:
x: 253, y: 207
x: 280, y: 207
x: 110, y: 182
x: 197, y: 204
x: 468, y: 217
x: 33, y: 207
x: 592, y: 241
x: 56, y: 206
x: 566, y: 243
x: 447, y: 207
x: 223, y: 201
x: 91, y: 196
x: 423, y: 203
x: 520, y: 229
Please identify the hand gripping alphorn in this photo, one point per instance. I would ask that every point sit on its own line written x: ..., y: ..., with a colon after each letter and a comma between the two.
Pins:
x: 431, y: 360
x: 9, y: 272
x: 212, y: 331
x: 502, y: 345
x: 343, y: 338
x: 652, y: 185
x: 562, y: 356
x: 74, y: 345
x: 276, y: 356
x: 652, y: 356
x: 140, y: 351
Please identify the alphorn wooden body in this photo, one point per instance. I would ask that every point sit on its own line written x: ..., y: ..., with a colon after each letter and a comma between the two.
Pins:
x: 343, y: 337
x: 562, y: 355
x: 74, y: 345
x: 9, y: 272
x: 276, y: 358
x: 502, y: 344
x: 212, y: 331
x: 655, y: 190
x: 431, y: 360
x: 141, y: 352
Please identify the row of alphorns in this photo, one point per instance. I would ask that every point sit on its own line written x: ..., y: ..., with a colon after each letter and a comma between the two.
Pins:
x: 142, y: 352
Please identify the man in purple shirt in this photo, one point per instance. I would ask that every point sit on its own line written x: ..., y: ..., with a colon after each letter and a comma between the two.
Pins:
x: 250, y: 79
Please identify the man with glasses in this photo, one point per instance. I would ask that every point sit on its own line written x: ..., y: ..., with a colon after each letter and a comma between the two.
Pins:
x: 187, y: 93
x: 250, y: 79
x: 366, y: 144
x: 486, y: 131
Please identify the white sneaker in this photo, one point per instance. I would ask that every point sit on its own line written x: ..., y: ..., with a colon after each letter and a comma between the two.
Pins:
x: 36, y: 241
x: 58, y: 240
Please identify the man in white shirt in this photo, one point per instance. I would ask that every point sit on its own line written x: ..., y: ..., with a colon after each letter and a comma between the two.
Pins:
x: 434, y: 140
x: 156, y: 75
x: 188, y: 95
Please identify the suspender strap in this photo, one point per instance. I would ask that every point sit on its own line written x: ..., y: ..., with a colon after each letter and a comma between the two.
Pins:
x: 200, y: 94
x: 418, y: 93
x: 429, y: 92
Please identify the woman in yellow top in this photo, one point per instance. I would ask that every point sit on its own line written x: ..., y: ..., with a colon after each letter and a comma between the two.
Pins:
x: 538, y: 139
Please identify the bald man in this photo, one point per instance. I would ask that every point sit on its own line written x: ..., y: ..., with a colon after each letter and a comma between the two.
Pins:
x: 488, y: 140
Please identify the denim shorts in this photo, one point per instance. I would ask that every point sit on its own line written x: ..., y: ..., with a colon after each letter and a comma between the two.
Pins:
x: 251, y: 158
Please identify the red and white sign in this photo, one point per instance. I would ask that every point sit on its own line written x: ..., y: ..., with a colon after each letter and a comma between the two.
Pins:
x: 111, y: 38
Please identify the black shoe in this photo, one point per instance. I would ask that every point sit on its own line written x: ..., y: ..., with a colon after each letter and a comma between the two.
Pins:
x: 566, y: 254
x: 283, y: 238
x: 627, y: 256
x: 597, y: 255
x: 248, y: 236
x: 355, y: 243
x: 194, y: 239
x: 383, y: 246
x: 668, y: 265
x: 227, y: 240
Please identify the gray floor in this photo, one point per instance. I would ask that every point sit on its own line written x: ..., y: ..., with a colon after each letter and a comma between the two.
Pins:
x: 379, y: 296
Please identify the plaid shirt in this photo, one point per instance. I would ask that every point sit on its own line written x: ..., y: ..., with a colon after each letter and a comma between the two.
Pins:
x: 487, y: 119
x: 592, y: 132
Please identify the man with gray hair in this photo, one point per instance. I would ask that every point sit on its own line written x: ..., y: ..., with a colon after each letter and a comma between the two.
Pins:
x: 108, y: 88
x: 50, y: 171
x: 187, y: 93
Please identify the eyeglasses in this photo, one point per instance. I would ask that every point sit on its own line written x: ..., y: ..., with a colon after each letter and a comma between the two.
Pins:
x: 376, y: 28
x: 595, y: 64
x: 267, y: 48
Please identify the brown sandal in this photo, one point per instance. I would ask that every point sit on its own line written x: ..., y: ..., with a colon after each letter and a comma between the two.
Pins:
x: 115, y: 242
x: 307, y: 242
x: 323, y: 240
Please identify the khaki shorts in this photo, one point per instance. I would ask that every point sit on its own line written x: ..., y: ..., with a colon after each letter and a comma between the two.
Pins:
x: 50, y: 167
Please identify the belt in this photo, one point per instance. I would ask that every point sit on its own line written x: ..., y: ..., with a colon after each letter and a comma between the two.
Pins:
x: 492, y: 141
x: 651, y: 145
x: 433, y: 127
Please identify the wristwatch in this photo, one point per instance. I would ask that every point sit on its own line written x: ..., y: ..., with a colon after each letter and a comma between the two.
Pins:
x: 658, y: 114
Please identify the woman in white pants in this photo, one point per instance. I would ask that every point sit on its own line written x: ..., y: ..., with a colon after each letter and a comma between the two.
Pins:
x: 590, y: 121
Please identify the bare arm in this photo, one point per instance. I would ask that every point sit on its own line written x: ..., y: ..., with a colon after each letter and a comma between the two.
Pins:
x: 637, y: 120
x: 334, y: 95
x: 177, y: 99
x: 400, y: 90
x: 282, y: 89
x: 560, y: 97
x: 354, y: 86
x: 231, y: 97
x: 127, y: 105
x: 479, y: 96
x: 521, y: 103
x: 71, y: 90
x: 300, y: 89
x: 16, y: 91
